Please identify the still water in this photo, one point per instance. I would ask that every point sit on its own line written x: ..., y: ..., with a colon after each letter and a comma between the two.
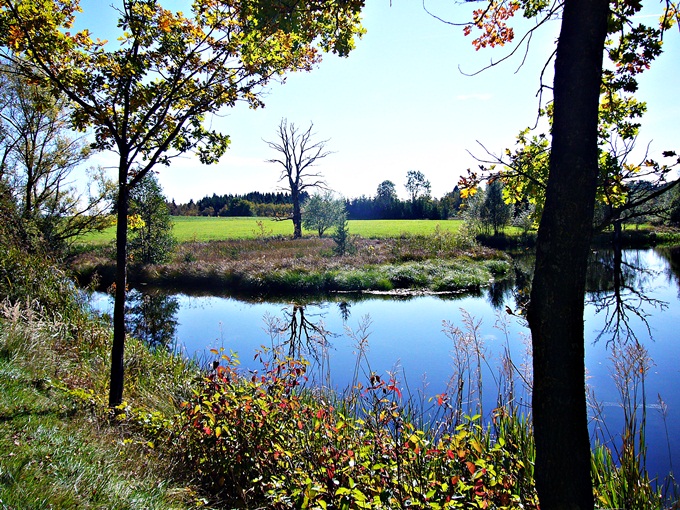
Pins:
x: 634, y: 297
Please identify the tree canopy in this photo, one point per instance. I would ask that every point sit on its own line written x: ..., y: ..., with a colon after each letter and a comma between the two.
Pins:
x: 322, y: 211
x: 38, y: 153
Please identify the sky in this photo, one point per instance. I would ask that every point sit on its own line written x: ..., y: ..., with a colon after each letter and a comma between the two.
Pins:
x: 402, y: 100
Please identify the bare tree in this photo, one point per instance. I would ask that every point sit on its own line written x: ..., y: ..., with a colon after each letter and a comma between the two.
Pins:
x: 298, y: 153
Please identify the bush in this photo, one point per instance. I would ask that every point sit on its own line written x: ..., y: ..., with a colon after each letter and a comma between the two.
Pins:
x: 150, y: 240
x: 265, y: 440
x: 321, y: 212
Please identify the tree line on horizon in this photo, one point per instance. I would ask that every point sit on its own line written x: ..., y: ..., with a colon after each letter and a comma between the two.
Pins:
x: 279, y: 204
x: 254, y: 203
x: 663, y: 210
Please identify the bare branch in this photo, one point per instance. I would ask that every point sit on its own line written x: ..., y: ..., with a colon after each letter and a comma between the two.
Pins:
x: 298, y: 153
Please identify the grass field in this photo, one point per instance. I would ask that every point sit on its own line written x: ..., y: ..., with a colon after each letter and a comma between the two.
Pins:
x: 193, y: 228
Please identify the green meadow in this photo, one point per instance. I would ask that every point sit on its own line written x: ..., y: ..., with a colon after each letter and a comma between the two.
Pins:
x: 199, y: 228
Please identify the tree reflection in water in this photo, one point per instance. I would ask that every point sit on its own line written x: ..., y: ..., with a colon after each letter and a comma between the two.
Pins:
x: 518, y: 287
x: 672, y: 256
x: 344, y: 307
x: 618, y: 284
x: 299, y: 335
x: 152, y: 317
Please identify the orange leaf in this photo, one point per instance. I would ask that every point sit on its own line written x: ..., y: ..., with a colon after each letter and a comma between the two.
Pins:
x: 471, y: 467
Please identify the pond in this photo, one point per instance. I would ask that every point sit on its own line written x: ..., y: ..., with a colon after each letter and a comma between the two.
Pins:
x: 418, y: 339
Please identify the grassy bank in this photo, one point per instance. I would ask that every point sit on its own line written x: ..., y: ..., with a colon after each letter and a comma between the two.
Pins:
x: 436, y: 262
x: 59, y: 448
x: 439, y: 258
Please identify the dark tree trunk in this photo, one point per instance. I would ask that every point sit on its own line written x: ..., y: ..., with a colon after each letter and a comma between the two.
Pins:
x: 118, y: 347
x: 297, y: 216
x: 563, y: 479
x: 617, y: 238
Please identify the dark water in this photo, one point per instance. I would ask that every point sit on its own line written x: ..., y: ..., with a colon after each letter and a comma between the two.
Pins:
x: 632, y: 298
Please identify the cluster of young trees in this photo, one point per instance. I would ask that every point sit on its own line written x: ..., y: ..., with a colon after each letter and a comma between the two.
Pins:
x: 38, y: 154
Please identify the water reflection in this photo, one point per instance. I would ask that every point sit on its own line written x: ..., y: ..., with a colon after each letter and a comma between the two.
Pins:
x: 344, y: 307
x: 152, y: 317
x: 672, y: 256
x: 620, y: 286
x: 515, y: 289
x: 298, y: 333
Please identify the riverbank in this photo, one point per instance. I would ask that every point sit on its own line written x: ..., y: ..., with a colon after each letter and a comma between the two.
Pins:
x: 61, y: 449
x: 273, y: 266
x: 441, y: 261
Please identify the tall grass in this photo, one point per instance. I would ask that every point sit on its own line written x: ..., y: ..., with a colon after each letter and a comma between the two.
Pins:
x: 57, y: 453
x: 619, y: 461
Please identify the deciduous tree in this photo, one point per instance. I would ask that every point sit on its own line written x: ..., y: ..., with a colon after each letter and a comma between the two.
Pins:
x: 386, y: 200
x: 39, y: 154
x: 298, y: 154
x: 619, y: 193
x: 321, y: 212
x: 417, y: 185
x: 148, y: 95
x: 555, y: 312
x: 386, y: 193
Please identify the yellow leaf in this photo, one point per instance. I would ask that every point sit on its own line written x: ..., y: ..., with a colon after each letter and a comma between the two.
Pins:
x: 467, y: 192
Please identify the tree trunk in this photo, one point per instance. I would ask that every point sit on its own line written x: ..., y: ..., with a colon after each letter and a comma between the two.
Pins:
x: 118, y: 347
x: 297, y: 217
x: 617, y: 238
x: 563, y: 479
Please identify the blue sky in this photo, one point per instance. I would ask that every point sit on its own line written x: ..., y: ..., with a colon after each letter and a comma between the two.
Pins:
x: 400, y: 102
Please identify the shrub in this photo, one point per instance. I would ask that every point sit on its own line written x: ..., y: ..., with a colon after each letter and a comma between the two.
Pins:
x: 266, y: 440
x: 344, y: 244
x: 321, y: 212
x: 150, y: 240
